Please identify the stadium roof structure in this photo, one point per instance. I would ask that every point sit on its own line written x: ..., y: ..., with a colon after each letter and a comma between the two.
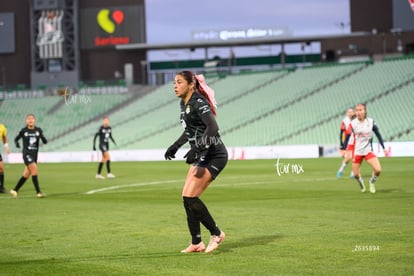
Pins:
x: 237, y: 43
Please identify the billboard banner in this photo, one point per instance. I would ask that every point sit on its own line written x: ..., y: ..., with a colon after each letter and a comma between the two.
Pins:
x: 110, y: 26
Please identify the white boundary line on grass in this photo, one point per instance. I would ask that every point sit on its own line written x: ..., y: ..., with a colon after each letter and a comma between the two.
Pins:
x: 141, y: 184
x: 164, y: 182
x: 130, y: 185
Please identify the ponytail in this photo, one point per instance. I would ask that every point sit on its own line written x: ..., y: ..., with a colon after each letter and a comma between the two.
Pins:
x: 206, y: 91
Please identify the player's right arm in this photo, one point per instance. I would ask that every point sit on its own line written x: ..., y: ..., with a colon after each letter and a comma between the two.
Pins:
x: 172, y: 150
x: 17, y: 138
x: 94, y: 138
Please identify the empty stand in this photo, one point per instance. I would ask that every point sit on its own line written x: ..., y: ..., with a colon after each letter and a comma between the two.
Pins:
x: 303, y: 106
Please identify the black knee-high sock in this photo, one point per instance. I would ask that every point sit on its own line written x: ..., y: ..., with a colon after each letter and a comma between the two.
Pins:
x: 20, y: 183
x: 193, y: 223
x: 36, y: 183
x: 1, y: 180
x: 202, y: 213
x: 108, y: 166
x: 100, y: 167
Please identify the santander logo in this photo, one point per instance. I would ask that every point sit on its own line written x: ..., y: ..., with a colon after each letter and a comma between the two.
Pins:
x: 108, y: 21
x: 411, y: 4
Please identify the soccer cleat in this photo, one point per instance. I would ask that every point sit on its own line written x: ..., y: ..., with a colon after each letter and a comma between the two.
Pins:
x: 13, y: 193
x: 3, y: 190
x: 338, y: 174
x: 194, y: 248
x: 372, y: 188
x: 362, y: 187
x: 215, y: 242
x: 40, y: 195
x: 98, y: 176
x: 351, y: 175
x: 110, y: 175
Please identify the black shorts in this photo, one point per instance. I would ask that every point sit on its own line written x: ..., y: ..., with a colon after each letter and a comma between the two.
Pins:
x: 104, y: 147
x: 29, y: 158
x: 215, y: 161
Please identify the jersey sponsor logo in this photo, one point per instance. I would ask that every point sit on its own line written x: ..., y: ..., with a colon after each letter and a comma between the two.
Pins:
x: 364, y: 134
x: 32, y: 140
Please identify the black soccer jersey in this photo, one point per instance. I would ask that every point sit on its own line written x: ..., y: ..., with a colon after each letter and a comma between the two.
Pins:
x: 195, y: 117
x: 104, y: 134
x: 31, y: 138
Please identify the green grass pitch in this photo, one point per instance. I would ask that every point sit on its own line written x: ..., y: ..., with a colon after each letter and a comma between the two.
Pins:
x: 301, y: 222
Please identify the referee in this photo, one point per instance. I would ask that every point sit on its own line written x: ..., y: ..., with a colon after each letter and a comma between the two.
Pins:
x: 3, y: 133
x: 207, y: 156
x: 31, y: 136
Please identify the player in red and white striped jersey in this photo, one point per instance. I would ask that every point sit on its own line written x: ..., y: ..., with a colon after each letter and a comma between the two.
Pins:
x: 363, y: 129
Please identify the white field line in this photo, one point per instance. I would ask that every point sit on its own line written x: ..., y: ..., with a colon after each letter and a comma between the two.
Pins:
x: 142, y: 184
x: 131, y: 185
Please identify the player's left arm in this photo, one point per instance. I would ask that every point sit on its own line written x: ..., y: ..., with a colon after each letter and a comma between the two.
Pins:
x: 379, y: 137
x: 210, y: 134
x: 211, y: 128
x: 42, y: 137
x: 112, y: 139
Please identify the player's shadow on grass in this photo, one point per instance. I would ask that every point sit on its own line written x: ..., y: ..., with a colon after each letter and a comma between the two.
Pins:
x: 229, y: 244
x: 390, y: 191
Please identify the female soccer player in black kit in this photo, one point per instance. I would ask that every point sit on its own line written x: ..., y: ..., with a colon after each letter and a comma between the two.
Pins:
x: 31, y: 135
x: 207, y: 156
x: 104, y: 133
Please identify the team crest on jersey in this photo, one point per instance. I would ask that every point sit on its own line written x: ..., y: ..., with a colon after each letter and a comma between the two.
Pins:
x: 37, y: 133
x: 187, y: 110
x: 25, y: 134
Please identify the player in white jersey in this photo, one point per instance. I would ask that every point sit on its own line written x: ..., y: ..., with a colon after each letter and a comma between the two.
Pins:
x: 363, y: 129
x: 346, y: 153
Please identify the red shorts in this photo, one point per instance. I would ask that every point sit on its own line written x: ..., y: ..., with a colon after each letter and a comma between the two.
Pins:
x: 350, y: 147
x: 358, y: 158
